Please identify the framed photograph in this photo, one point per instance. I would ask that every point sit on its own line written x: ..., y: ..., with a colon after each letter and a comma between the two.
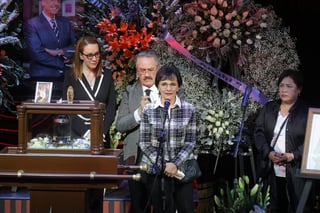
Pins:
x: 311, y: 152
x: 68, y: 8
x: 43, y: 92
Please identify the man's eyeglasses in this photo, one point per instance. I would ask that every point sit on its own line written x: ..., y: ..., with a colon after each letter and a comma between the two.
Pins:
x: 91, y: 55
x: 149, y: 70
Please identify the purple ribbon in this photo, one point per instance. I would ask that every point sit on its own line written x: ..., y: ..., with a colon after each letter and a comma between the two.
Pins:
x: 255, y: 93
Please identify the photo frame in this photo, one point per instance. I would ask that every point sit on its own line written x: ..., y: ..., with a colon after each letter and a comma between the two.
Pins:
x: 43, y: 92
x: 68, y: 8
x: 310, y: 165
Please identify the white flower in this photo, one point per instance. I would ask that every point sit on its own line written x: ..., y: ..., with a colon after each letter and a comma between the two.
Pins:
x: 221, y: 122
x: 263, y: 25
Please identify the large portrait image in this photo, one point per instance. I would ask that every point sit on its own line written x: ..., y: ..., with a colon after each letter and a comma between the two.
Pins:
x: 311, y: 152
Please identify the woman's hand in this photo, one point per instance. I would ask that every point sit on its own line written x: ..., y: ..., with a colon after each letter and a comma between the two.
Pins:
x: 280, y: 158
x: 170, y: 169
x: 286, y: 158
x: 275, y: 157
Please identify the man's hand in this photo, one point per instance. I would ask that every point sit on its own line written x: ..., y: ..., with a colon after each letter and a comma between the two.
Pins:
x: 57, y: 52
x: 144, y: 100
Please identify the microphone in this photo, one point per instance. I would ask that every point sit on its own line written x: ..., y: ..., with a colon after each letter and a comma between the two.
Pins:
x: 148, y: 91
x: 165, y: 113
x: 246, y: 97
x: 166, y: 105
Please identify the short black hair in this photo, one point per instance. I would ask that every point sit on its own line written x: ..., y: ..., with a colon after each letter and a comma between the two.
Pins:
x: 296, y: 76
x: 168, y: 72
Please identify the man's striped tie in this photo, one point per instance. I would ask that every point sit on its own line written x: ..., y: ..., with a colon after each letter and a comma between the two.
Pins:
x: 55, y: 28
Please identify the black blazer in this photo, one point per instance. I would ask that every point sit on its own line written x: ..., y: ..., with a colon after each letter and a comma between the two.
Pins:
x: 103, y: 91
x: 295, y: 129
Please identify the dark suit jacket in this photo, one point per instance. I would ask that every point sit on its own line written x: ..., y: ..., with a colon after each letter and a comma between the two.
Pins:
x: 295, y: 134
x: 103, y: 91
x: 39, y: 35
x: 125, y: 121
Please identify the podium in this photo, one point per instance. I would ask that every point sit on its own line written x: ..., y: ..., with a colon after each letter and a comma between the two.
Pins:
x: 58, y: 179
x: 58, y: 182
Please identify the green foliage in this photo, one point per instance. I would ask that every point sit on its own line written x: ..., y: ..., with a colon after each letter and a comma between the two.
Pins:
x: 93, y: 12
x: 115, y: 136
x: 242, y: 198
x: 11, y: 73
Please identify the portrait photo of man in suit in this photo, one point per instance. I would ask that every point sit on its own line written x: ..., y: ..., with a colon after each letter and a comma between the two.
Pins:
x: 50, y: 41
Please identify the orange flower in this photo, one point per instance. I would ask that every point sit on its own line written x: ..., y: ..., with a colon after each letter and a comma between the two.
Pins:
x: 123, y: 26
x: 124, y: 41
x: 114, y: 44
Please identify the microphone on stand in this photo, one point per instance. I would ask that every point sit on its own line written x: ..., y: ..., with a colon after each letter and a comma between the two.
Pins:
x: 162, y: 141
x: 162, y: 136
x: 246, y: 97
x: 148, y: 91
x: 165, y: 114
x: 239, y: 136
x: 166, y: 105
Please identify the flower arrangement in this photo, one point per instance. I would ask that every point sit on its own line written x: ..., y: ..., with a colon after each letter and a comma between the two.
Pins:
x: 45, y: 142
x: 221, y: 122
x: 220, y: 23
x: 269, y: 57
x: 124, y: 41
x: 260, y: 37
x: 240, y: 38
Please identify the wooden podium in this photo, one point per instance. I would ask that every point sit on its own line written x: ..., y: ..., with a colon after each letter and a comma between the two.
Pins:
x: 58, y: 182
x: 58, y: 179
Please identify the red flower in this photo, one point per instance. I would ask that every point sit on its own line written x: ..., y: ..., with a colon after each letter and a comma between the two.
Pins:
x: 124, y: 41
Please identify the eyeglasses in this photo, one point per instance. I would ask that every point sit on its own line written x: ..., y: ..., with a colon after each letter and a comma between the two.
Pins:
x: 91, y: 55
x: 149, y: 70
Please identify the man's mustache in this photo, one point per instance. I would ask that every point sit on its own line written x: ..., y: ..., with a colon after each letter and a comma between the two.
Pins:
x: 147, y: 78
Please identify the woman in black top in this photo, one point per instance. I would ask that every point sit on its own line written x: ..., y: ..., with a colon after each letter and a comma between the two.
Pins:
x: 90, y: 82
x: 285, y: 187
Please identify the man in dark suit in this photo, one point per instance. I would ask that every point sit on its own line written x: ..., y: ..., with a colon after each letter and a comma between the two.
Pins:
x: 133, y: 100
x: 50, y: 41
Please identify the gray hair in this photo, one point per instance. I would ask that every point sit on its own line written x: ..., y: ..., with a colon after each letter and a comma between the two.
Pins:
x: 148, y: 53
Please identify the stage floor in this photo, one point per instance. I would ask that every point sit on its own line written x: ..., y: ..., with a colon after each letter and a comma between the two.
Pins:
x: 14, y: 200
